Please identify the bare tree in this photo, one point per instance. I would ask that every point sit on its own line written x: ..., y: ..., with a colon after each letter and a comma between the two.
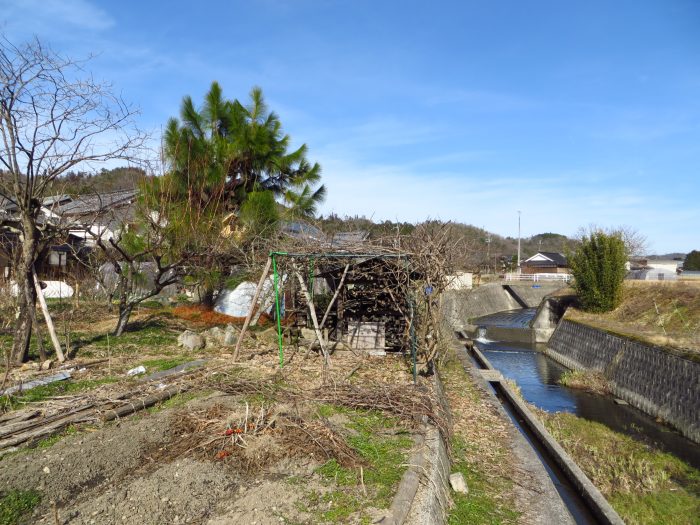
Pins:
x: 53, y: 117
x: 636, y: 244
x: 437, y: 249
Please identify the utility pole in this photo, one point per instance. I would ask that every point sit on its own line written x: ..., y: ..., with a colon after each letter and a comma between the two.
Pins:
x: 519, y: 212
x: 488, y: 253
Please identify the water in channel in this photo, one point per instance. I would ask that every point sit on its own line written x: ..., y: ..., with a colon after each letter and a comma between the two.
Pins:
x: 537, y: 376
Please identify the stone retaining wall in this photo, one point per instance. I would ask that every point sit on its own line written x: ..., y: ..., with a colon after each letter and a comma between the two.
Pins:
x: 647, y: 377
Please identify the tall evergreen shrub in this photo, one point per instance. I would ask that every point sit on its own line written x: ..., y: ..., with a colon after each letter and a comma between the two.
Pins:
x: 598, y: 266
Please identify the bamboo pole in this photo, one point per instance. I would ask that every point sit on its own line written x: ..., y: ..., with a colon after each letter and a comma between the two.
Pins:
x: 312, y: 311
x: 47, y: 317
x: 252, y: 308
x: 278, y: 316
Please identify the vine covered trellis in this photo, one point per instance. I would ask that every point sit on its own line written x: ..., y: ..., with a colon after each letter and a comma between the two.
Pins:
x: 377, y: 300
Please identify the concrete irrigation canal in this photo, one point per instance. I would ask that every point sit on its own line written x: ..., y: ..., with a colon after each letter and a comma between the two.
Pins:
x: 652, y: 395
x: 503, y: 338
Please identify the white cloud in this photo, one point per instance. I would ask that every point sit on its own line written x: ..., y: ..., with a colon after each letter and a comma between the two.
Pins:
x: 401, y: 192
x: 52, y: 17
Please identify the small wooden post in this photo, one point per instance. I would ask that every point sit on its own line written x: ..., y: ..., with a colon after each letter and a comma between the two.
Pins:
x: 252, y: 307
x: 47, y: 317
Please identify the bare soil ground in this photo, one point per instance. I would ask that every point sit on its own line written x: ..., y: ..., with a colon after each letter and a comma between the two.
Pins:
x: 247, y: 443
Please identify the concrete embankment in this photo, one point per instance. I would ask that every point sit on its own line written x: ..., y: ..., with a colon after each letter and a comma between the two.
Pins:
x: 461, y: 305
x: 650, y: 378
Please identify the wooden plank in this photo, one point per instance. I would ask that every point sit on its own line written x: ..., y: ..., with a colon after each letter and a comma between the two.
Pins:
x: 47, y: 318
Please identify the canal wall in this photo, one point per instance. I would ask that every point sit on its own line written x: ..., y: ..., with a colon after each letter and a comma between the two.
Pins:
x: 657, y: 382
x: 459, y: 306
x: 547, y: 317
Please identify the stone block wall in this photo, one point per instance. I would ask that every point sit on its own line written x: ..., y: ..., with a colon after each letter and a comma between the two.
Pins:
x: 648, y: 377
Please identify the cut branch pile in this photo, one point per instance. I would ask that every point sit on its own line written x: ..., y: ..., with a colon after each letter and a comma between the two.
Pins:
x: 410, y: 404
x: 96, y: 407
x: 407, y: 403
x: 216, y: 433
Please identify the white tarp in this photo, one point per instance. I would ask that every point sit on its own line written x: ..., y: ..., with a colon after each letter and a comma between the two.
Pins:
x: 237, y: 302
x: 52, y: 289
x: 57, y: 290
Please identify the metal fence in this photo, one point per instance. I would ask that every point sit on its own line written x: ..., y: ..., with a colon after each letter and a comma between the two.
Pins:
x: 536, y: 277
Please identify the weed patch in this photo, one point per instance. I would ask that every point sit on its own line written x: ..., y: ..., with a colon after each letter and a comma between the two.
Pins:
x: 383, y: 445
x: 480, y: 452
x: 160, y: 365
x: 17, y: 504
x: 645, y: 486
x: 52, y: 440
x: 59, y: 388
x: 588, y: 380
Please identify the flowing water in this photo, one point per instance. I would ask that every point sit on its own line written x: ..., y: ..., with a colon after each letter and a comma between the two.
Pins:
x: 537, y: 376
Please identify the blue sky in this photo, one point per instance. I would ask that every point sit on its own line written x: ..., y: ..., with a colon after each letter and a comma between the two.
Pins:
x: 575, y: 113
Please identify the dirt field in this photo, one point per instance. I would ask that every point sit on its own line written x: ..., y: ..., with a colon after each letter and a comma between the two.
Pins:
x: 245, y: 443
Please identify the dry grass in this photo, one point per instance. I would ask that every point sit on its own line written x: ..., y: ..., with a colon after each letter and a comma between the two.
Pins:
x: 481, y: 451
x: 644, y: 485
x: 588, y: 380
x: 664, y: 314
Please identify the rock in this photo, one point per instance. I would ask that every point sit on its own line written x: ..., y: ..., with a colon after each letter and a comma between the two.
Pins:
x: 31, y: 365
x: 214, y: 337
x: 190, y: 340
x: 458, y: 483
x: 308, y: 334
x: 230, y: 336
x: 46, y: 364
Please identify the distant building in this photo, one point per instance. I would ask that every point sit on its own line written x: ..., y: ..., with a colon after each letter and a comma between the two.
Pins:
x: 652, y: 270
x: 545, y: 262
x: 81, y: 219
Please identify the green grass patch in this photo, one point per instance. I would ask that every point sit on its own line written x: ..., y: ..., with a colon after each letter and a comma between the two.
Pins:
x: 59, y: 388
x: 383, y: 445
x: 140, y: 337
x: 480, y: 506
x: 160, y: 365
x: 178, y: 400
x: 151, y: 305
x: 644, y: 485
x: 52, y: 440
x: 16, y: 505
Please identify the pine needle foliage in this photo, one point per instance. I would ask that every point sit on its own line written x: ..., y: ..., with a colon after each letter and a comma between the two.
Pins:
x: 598, y: 266
x: 227, y: 150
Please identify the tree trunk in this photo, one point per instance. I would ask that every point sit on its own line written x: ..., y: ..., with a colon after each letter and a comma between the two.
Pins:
x: 207, y: 297
x: 23, y: 320
x: 26, y: 296
x: 124, y: 314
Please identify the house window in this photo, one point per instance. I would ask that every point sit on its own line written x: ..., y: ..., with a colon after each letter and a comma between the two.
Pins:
x: 57, y: 258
